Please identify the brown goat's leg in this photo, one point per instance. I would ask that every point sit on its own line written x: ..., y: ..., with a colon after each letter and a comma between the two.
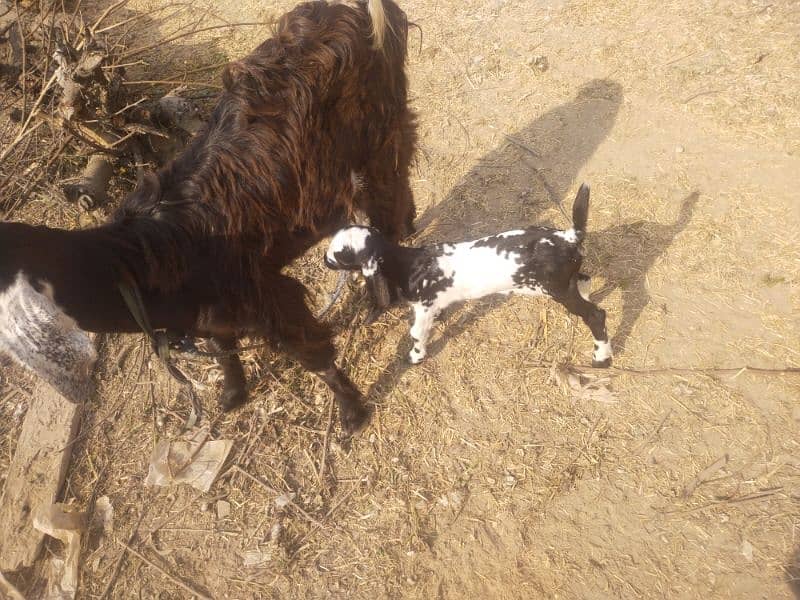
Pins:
x: 309, y: 342
x: 234, y: 390
x: 405, y: 209
x: 318, y: 355
x: 353, y: 413
x: 391, y: 206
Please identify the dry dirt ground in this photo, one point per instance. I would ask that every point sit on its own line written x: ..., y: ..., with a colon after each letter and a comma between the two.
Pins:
x: 482, y: 475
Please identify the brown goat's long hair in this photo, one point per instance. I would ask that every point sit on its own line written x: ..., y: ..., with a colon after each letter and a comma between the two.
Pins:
x: 312, y: 125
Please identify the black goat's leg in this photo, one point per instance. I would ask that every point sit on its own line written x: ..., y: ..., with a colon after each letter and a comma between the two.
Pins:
x: 593, y: 316
x: 309, y: 342
x: 234, y: 390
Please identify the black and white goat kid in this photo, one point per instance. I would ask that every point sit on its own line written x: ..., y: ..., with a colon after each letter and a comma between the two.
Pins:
x: 537, y: 261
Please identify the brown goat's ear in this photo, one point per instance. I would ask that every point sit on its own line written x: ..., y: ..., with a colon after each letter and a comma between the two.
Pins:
x: 241, y: 77
x: 231, y: 75
x: 378, y: 285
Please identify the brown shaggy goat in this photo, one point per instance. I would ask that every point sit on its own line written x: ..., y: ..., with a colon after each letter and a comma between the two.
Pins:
x: 312, y: 126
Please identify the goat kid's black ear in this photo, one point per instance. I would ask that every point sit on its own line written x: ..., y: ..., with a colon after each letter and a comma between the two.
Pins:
x: 380, y: 290
x: 378, y: 285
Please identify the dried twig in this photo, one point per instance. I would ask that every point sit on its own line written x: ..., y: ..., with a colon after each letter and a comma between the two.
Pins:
x: 324, y: 460
x: 161, y: 570
x: 137, y: 51
x: 174, y: 82
x: 735, y: 500
x: 667, y: 370
x: 705, y: 475
x: 118, y: 565
x: 272, y: 490
x: 23, y: 131
x: 106, y: 13
x: 521, y: 144
x: 328, y: 514
x: 17, y: 41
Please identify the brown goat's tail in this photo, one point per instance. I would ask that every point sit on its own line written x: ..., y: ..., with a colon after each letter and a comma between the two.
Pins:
x: 377, y: 15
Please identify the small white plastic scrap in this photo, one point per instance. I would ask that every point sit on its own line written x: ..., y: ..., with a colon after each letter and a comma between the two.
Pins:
x: 193, y: 460
x: 747, y: 550
x: 67, y: 527
x: 284, y: 500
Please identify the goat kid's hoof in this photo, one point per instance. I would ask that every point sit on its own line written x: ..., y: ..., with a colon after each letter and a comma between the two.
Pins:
x: 415, y: 357
x: 232, y: 398
x: 354, y: 418
x: 601, y: 364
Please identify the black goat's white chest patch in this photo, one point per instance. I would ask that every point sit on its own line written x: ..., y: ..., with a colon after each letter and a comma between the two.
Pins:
x: 41, y: 337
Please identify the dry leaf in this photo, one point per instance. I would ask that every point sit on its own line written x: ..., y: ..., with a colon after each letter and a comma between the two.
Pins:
x: 257, y: 557
x: 223, y: 509
x: 583, y: 385
x: 747, y: 550
x: 284, y: 500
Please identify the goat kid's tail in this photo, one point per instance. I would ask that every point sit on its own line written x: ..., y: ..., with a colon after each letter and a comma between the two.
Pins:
x: 580, y: 212
x: 377, y: 15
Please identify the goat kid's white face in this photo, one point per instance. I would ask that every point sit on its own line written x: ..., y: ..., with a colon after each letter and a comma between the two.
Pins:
x: 349, y: 249
x: 40, y: 336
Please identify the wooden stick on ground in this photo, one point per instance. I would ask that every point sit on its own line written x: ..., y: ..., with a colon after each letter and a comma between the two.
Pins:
x: 323, y: 462
x: 36, y: 474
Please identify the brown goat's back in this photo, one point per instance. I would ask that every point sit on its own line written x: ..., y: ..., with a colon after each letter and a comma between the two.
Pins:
x: 313, y: 125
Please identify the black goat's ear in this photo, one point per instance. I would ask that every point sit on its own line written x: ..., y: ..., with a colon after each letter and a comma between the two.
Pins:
x: 378, y: 285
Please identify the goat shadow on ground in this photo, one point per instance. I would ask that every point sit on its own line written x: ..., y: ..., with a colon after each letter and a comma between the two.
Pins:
x: 793, y: 573
x: 533, y: 171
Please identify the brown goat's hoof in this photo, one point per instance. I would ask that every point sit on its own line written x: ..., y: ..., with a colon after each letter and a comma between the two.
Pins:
x: 602, y: 364
x: 232, y: 398
x: 354, y: 417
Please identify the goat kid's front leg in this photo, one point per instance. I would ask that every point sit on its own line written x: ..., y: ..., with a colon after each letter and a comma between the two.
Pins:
x: 234, y: 390
x: 577, y: 303
x: 420, y: 332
